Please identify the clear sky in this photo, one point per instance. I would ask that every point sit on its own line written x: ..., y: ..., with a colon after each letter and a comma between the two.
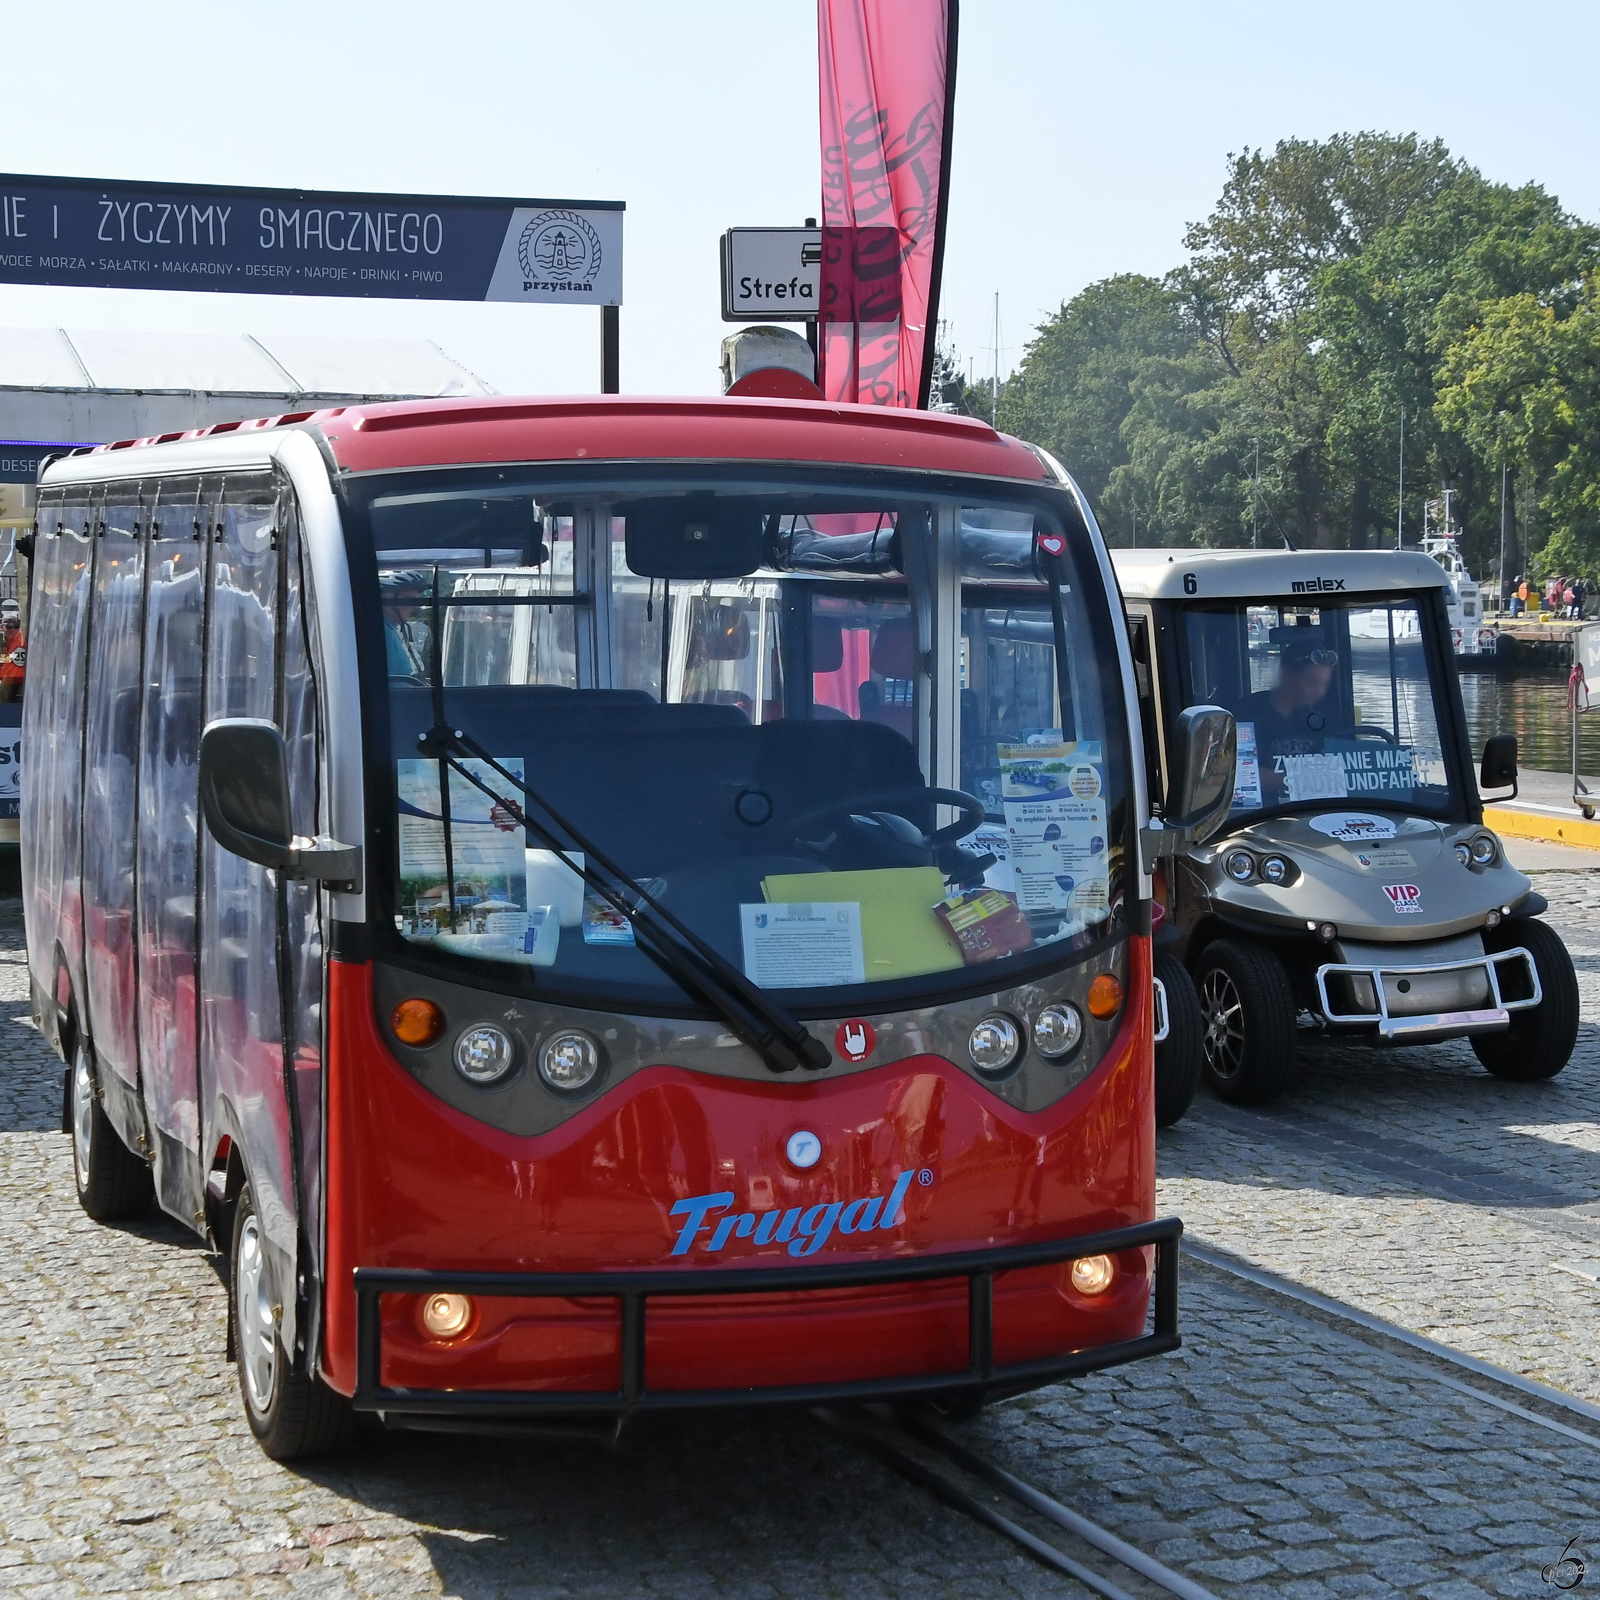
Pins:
x: 1087, y: 136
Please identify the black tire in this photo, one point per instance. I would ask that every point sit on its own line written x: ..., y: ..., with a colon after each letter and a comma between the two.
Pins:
x: 1179, y: 1055
x: 1539, y: 1042
x: 1247, y: 1021
x: 112, y: 1181
x: 294, y: 1416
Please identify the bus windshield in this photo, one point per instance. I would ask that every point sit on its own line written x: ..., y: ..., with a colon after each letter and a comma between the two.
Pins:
x: 1336, y: 701
x: 787, y: 762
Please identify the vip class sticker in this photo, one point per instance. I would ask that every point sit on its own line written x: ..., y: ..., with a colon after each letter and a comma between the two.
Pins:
x: 1404, y: 897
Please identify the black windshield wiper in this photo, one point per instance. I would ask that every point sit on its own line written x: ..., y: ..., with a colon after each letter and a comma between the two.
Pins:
x: 762, y: 1024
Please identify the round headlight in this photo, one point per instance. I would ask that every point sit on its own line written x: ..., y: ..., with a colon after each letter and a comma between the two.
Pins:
x: 1057, y: 1031
x: 446, y: 1315
x: 1092, y: 1275
x: 1240, y: 866
x: 484, y: 1054
x: 995, y: 1043
x: 1463, y: 852
x: 1483, y: 850
x: 1275, y: 869
x: 569, y: 1060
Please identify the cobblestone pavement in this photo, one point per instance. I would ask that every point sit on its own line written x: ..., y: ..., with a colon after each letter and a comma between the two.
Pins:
x: 1273, y: 1455
x: 1415, y: 1186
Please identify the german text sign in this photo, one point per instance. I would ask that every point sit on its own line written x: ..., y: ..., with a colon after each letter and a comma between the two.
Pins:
x: 77, y: 231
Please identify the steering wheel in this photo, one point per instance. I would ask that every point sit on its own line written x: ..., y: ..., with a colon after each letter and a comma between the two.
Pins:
x: 1372, y: 728
x: 887, y: 799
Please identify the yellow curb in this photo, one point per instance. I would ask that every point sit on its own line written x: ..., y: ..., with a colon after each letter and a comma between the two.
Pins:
x: 1517, y: 824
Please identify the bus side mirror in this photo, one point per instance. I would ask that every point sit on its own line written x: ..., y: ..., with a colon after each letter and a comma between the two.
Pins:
x: 244, y: 794
x: 1499, y: 769
x: 1204, y: 748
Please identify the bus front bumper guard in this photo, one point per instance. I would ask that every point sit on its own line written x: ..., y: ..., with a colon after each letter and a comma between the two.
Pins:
x: 635, y: 1289
x: 1431, y: 1025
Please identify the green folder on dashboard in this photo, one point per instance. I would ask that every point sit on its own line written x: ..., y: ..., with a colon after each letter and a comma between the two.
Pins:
x: 900, y: 935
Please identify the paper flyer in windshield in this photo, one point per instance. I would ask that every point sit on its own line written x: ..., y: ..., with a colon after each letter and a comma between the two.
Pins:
x: 802, y: 946
x: 1055, y: 809
x: 1247, y: 774
x: 490, y: 861
x: 1313, y: 777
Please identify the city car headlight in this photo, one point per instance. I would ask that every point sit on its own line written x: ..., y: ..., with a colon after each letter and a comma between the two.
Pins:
x: 1240, y: 866
x: 1484, y: 850
x: 1463, y: 852
x: 569, y: 1060
x: 1276, y: 869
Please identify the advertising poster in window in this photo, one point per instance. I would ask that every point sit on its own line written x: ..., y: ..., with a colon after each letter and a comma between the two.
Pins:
x: 490, y: 913
x: 1055, y: 809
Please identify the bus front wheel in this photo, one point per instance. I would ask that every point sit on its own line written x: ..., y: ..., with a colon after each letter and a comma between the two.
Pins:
x: 1248, y: 1020
x: 293, y: 1415
x: 112, y: 1181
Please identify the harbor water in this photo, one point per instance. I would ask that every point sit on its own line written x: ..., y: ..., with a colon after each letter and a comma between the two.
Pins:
x: 1533, y: 707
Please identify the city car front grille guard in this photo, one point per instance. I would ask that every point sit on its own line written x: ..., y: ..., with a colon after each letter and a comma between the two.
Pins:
x: 1390, y: 1027
x: 634, y: 1289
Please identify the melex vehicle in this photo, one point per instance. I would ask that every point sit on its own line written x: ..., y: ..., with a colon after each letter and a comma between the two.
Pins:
x: 1354, y: 888
x: 565, y: 894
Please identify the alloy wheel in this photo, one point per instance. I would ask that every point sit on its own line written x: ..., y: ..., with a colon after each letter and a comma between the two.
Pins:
x: 82, y: 1115
x: 258, y: 1326
x: 1224, y: 1023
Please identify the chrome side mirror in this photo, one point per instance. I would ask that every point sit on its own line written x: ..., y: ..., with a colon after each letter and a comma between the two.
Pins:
x: 244, y: 795
x: 1204, y: 751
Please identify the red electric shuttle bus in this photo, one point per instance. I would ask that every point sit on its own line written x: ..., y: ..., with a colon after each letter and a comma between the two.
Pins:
x: 602, y: 905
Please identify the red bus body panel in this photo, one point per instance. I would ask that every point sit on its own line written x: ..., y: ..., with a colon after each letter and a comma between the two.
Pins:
x: 413, y: 1183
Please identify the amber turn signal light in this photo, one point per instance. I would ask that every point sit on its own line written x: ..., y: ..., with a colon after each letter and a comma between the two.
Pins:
x: 416, y: 1022
x: 1105, y: 997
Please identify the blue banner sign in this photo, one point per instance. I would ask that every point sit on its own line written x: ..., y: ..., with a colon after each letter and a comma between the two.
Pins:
x: 79, y: 231
x: 20, y: 460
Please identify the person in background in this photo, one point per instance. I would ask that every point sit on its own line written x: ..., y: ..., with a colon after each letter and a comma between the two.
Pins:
x: 1552, y: 596
x: 1577, y: 593
x: 13, y: 654
x: 408, y: 639
x: 1519, y: 596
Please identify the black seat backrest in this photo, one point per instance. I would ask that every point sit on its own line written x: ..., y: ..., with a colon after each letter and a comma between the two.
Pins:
x: 654, y: 785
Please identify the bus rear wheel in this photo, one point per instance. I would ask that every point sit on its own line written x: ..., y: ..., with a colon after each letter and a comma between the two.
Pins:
x: 1178, y: 1055
x: 1247, y: 1016
x: 1540, y: 1040
x: 112, y: 1182
x: 293, y: 1415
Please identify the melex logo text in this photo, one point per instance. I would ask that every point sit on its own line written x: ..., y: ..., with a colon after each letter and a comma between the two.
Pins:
x: 804, y: 1231
x: 1315, y: 585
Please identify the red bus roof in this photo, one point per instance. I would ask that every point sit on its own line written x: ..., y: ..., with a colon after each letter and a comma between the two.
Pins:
x: 424, y: 433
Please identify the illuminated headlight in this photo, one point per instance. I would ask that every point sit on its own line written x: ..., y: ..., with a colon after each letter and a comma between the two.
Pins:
x: 1057, y: 1031
x: 1464, y: 852
x: 484, y: 1054
x: 569, y: 1060
x: 1484, y: 850
x: 1275, y: 869
x: 995, y: 1043
x: 446, y: 1315
x: 1092, y: 1274
x: 1240, y: 866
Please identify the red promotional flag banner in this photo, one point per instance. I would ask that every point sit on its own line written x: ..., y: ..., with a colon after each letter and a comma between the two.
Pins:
x: 887, y: 72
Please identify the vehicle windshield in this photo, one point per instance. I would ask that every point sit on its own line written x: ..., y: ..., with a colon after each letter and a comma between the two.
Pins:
x: 1335, y: 701
x: 788, y: 762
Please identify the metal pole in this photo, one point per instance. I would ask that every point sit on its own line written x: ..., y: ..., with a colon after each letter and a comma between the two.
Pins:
x: 1400, y: 504
x: 610, y: 350
x: 1255, y: 500
x: 994, y: 400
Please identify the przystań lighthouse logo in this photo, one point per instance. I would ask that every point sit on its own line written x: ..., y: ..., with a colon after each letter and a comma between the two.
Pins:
x: 559, y: 251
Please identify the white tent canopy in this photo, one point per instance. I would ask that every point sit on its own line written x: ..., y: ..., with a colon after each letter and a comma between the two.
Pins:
x: 87, y: 387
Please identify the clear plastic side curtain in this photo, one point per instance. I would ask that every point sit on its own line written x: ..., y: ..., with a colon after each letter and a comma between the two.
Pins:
x: 241, y: 1034
x: 110, y: 786
x: 886, y: 72
x: 169, y: 806
x: 41, y: 721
